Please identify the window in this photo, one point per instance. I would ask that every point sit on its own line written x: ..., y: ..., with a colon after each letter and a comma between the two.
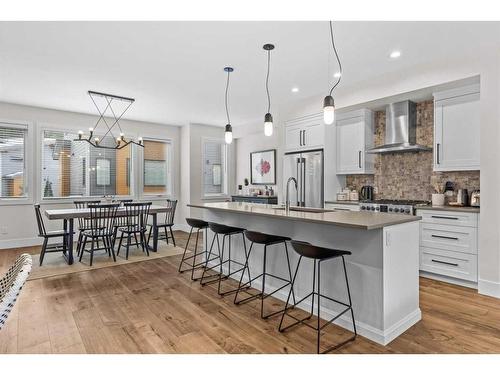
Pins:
x: 156, y: 166
x: 77, y: 169
x: 12, y: 160
x: 214, y: 168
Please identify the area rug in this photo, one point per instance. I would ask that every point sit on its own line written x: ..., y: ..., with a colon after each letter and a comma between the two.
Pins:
x: 54, y: 264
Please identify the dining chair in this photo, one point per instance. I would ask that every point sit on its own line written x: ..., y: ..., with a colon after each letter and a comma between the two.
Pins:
x: 121, y: 221
x: 167, y: 225
x: 83, y: 223
x: 47, y: 235
x: 11, y: 285
x: 136, y: 220
x: 102, y: 222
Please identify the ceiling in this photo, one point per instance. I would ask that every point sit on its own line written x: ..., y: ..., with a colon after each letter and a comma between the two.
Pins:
x: 174, y: 70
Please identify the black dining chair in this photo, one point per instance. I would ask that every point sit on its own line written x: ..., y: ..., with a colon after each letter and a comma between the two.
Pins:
x: 102, y: 222
x: 121, y: 221
x: 48, y: 235
x: 83, y: 223
x: 167, y: 225
x: 136, y: 220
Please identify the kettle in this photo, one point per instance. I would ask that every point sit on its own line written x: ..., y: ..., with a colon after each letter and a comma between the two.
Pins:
x: 462, y: 197
x: 474, y: 198
x: 367, y: 193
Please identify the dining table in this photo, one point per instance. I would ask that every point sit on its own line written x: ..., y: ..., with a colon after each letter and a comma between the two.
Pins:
x: 68, y: 215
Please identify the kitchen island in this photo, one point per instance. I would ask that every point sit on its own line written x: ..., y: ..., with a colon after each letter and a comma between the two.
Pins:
x: 383, y: 267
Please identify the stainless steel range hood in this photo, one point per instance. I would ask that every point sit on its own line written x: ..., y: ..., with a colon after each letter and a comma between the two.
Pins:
x: 400, y: 129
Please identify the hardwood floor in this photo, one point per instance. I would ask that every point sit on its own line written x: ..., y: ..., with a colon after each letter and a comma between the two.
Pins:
x: 148, y: 307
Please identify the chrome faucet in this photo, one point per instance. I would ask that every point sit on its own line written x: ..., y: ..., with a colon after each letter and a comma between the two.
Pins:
x: 287, y: 201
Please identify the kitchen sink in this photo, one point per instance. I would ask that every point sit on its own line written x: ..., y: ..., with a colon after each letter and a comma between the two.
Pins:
x: 304, y: 209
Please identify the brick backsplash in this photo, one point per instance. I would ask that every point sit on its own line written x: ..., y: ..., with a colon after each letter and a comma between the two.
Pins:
x: 409, y: 175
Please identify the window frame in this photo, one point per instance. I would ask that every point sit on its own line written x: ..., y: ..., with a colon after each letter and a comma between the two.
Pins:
x: 225, y: 169
x: 170, y: 171
x: 62, y: 200
x: 28, y: 184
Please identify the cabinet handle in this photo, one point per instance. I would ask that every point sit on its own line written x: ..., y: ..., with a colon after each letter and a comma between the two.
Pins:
x: 446, y: 237
x: 359, y: 159
x: 304, y: 137
x: 444, y: 217
x: 447, y: 263
x: 437, y: 153
x: 300, y: 137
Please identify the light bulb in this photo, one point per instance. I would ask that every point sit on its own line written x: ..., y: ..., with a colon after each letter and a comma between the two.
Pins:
x: 91, y: 130
x: 80, y: 134
x: 268, y: 125
x: 122, y: 136
x: 96, y: 140
x: 228, y: 134
x: 328, y: 110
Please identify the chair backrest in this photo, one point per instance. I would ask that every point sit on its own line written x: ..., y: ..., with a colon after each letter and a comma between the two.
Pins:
x: 169, y: 217
x: 123, y: 201
x: 11, y: 285
x: 137, y: 215
x: 102, y: 218
x: 39, y: 221
x: 83, y: 223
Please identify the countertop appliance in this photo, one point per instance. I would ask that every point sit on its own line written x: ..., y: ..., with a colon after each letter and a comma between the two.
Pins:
x: 462, y: 197
x: 474, y: 198
x: 407, y: 207
x: 367, y: 193
x: 400, y: 129
x: 308, y: 169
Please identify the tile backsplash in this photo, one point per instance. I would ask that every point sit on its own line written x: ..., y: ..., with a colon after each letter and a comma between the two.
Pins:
x: 409, y: 175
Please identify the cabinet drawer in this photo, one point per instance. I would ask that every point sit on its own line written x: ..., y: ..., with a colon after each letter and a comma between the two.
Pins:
x: 467, y: 219
x: 342, y: 207
x: 449, y: 263
x: 449, y: 237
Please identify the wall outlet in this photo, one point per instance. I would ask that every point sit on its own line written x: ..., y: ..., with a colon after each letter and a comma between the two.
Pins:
x: 3, y: 230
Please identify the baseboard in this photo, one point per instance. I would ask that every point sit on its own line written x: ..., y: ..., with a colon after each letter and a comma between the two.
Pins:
x: 374, y: 334
x: 489, y: 288
x: 450, y: 280
x: 20, y: 242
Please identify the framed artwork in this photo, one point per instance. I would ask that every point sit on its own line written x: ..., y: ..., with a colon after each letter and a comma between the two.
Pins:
x: 263, y: 167
x: 155, y: 172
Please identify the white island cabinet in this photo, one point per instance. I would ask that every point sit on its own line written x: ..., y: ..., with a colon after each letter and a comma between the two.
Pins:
x: 382, y: 270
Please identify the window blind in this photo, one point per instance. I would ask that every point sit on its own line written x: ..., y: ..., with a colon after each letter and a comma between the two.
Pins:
x: 77, y: 169
x: 12, y: 161
x: 156, y: 167
x: 213, y: 168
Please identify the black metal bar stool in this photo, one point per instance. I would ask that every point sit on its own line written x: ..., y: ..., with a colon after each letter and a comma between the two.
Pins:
x: 266, y: 240
x: 199, y: 225
x: 318, y: 255
x: 226, y: 232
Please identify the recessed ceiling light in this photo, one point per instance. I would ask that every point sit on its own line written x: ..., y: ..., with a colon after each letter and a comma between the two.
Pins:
x: 337, y: 75
x: 395, y: 54
x: 295, y: 89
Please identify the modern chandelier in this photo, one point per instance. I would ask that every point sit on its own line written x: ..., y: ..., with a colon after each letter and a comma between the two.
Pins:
x: 328, y: 102
x: 268, y: 118
x: 119, y: 141
x: 228, y: 134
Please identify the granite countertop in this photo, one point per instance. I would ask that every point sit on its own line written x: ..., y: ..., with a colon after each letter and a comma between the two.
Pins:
x: 343, y: 202
x: 449, y: 208
x: 361, y: 220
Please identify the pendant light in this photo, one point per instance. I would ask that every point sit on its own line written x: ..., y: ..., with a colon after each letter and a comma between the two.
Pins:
x: 228, y: 134
x: 268, y: 118
x: 328, y: 102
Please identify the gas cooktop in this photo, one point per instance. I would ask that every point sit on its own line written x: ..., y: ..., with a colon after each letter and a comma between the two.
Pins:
x: 392, y: 206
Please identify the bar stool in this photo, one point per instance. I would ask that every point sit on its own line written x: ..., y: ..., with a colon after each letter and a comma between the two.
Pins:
x: 318, y: 255
x: 266, y: 240
x: 226, y: 232
x: 199, y: 225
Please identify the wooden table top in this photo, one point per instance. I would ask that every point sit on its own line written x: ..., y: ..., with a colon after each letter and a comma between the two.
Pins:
x: 75, y: 213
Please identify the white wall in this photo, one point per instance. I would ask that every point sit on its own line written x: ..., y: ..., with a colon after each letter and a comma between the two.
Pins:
x: 18, y: 220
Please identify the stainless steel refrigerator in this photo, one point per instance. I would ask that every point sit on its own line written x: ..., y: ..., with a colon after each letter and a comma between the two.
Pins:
x: 308, y: 169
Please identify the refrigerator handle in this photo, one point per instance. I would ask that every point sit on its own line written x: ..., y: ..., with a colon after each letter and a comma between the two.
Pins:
x: 299, y: 182
x: 303, y: 182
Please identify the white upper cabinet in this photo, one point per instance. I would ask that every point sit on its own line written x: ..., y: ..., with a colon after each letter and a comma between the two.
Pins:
x: 306, y: 132
x: 354, y: 137
x: 456, y: 129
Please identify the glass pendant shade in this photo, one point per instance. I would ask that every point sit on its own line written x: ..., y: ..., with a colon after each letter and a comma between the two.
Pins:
x: 228, y: 134
x: 328, y: 110
x: 268, y: 125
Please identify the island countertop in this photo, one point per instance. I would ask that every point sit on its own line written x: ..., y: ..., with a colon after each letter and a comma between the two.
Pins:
x: 362, y: 220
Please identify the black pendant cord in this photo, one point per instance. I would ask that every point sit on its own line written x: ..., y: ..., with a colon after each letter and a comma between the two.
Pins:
x: 267, y: 81
x: 227, y: 88
x: 338, y: 59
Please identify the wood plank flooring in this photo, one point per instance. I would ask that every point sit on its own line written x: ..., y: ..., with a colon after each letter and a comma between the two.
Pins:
x: 148, y: 307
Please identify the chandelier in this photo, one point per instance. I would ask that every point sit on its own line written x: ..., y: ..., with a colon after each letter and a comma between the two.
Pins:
x: 118, y: 142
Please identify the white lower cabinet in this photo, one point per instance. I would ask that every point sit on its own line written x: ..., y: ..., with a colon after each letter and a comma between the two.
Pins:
x: 342, y: 206
x: 449, y: 244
